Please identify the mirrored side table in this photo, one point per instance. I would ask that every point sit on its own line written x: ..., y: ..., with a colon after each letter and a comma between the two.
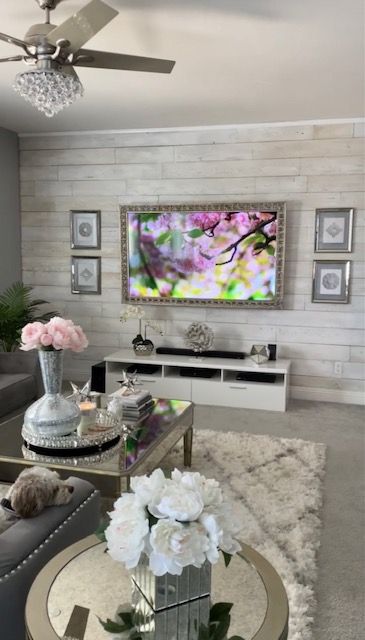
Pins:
x: 83, y: 575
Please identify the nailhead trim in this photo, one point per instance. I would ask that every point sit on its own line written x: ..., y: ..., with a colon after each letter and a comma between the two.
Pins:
x: 49, y: 537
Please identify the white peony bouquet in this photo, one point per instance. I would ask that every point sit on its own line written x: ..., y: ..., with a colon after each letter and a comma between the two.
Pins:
x: 178, y: 521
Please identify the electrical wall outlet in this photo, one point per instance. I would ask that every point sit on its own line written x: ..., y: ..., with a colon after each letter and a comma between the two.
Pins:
x: 338, y: 369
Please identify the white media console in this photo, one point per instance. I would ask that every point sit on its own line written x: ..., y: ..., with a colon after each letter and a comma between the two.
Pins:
x: 177, y: 377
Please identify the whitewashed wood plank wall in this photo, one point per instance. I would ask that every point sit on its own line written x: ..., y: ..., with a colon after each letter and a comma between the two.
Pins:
x: 307, y: 166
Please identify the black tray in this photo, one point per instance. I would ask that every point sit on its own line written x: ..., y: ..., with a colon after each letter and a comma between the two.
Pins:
x: 76, y: 452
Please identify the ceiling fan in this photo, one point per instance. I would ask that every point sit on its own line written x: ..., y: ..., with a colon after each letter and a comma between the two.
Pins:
x: 52, y: 52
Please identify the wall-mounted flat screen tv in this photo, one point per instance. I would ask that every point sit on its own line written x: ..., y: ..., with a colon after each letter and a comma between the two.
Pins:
x: 222, y: 255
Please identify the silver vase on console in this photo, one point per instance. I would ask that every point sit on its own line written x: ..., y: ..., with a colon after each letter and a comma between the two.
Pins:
x: 52, y: 414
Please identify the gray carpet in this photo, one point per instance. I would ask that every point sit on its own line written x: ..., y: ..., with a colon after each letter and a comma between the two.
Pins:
x: 275, y: 486
x: 341, y: 582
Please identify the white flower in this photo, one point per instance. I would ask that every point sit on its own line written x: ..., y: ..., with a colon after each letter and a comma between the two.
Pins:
x: 126, y: 539
x: 127, y: 530
x: 214, y: 531
x: 209, y: 489
x: 222, y: 527
x: 174, y: 502
x: 154, y: 325
x: 175, y: 546
x: 194, y: 523
x: 127, y: 504
x: 147, y: 488
x: 132, y: 312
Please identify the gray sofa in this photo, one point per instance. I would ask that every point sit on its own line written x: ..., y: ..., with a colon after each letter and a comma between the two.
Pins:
x: 28, y: 545
x: 20, y: 380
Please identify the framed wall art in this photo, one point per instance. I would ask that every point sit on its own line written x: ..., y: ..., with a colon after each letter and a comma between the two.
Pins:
x: 334, y: 230
x: 331, y: 281
x: 85, y: 229
x: 225, y: 254
x: 85, y: 274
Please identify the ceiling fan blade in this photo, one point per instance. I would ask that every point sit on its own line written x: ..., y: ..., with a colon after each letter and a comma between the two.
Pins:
x: 12, y: 59
x: 11, y: 40
x: 106, y: 60
x: 83, y: 25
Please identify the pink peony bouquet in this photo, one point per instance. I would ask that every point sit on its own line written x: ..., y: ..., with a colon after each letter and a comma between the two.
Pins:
x: 57, y: 334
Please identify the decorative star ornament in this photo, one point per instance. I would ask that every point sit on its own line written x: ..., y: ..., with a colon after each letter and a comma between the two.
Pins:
x: 129, y: 383
x: 80, y: 393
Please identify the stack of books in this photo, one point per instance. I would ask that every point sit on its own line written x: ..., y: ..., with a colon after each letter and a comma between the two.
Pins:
x: 136, y: 406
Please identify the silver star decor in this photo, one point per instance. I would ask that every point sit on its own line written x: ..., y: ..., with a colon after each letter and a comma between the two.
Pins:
x: 80, y: 393
x: 129, y: 383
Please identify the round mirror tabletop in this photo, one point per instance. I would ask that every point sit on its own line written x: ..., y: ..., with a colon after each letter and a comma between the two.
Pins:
x: 85, y: 575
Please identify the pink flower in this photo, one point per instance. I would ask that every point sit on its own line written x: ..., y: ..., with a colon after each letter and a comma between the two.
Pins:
x: 57, y: 334
x: 31, y: 335
x: 205, y: 220
x: 59, y: 330
x: 46, y: 340
x: 78, y: 340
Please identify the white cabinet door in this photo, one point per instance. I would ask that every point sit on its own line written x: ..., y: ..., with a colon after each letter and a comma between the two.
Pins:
x: 170, y: 388
x: 244, y: 395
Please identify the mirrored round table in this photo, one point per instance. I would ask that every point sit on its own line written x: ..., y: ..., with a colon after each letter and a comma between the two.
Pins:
x: 86, y: 576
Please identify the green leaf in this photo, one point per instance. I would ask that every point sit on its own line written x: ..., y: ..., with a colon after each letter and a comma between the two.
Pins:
x: 164, y: 237
x: 127, y: 618
x: 270, y: 250
x: 111, y: 626
x: 136, y: 635
x: 227, y: 558
x: 177, y: 239
x: 195, y: 233
x: 259, y: 246
x: 203, y: 633
x: 100, y: 531
x: 221, y: 629
x: 151, y: 519
x: 16, y: 310
x: 219, y: 610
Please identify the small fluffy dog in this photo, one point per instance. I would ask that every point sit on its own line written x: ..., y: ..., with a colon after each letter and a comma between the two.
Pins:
x: 36, y: 488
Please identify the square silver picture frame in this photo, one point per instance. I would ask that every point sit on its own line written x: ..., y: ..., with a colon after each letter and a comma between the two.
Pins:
x: 85, y: 228
x: 333, y: 231
x: 86, y: 274
x: 331, y: 281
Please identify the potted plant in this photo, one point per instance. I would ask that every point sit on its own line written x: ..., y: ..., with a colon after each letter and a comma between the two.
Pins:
x: 16, y: 310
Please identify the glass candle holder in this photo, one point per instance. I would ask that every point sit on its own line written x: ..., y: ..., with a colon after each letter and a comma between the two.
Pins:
x: 88, y: 415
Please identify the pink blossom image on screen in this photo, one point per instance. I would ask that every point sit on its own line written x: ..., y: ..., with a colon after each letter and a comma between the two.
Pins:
x: 223, y: 255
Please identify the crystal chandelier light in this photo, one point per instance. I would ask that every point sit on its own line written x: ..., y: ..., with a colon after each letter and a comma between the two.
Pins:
x: 49, y: 89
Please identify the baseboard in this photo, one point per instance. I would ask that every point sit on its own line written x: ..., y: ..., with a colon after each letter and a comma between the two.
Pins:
x: 327, y: 395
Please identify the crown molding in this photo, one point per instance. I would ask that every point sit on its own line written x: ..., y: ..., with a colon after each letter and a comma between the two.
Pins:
x: 197, y: 128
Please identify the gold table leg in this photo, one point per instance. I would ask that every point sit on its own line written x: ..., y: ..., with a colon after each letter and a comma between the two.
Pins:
x: 188, y: 446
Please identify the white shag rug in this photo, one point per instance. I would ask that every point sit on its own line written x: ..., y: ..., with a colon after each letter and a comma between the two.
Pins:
x: 276, y: 485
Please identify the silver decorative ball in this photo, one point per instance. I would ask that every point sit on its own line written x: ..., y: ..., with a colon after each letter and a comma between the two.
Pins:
x: 199, y: 337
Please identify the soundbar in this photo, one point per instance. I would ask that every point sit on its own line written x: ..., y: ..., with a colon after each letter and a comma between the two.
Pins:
x: 237, y: 355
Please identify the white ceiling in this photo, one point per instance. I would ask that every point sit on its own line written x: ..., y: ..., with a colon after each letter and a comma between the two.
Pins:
x: 237, y: 62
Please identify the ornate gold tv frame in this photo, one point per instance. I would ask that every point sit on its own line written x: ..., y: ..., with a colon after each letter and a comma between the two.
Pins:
x: 276, y: 207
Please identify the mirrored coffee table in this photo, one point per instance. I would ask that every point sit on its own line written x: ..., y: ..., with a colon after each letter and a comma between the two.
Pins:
x: 141, y: 452
x: 86, y: 576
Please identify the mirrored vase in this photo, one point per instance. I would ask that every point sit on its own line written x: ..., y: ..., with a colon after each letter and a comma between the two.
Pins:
x: 171, y: 607
x: 52, y: 414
